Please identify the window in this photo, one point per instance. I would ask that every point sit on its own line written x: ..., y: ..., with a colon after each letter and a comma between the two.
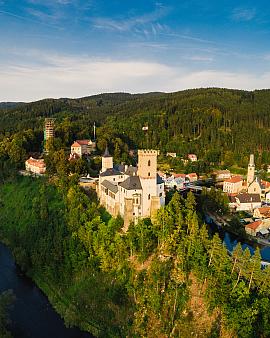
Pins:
x: 160, y: 195
x: 148, y: 174
x: 149, y: 163
x: 149, y: 196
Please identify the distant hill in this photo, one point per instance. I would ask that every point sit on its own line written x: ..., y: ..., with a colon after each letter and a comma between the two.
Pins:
x: 8, y: 105
x: 213, y: 122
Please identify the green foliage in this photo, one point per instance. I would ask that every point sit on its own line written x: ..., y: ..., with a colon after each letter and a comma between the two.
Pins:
x: 6, y: 300
x: 130, y: 284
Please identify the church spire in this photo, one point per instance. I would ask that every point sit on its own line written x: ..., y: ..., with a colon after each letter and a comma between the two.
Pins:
x: 251, y: 160
x: 106, y: 153
x: 251, y: 170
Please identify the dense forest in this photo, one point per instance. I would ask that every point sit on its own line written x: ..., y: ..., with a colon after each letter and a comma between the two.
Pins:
x: 221, y: 126
x: 165, y: 278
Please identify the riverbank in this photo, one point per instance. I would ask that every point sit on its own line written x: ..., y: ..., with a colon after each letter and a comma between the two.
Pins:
x: 38, y: 233
x: 32, y: 315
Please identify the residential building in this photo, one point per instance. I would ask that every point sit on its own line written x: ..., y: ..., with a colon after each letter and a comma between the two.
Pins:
x: 171, y: 154
x: 260, y: 226
x: 247, y: 202
x: 82, y: 147
x: 192, y: 157
x: 132, y: 192
x: 233, y: 185
x: 36, y: 166
x: 192, y: 177
x: 221, y: 175
x: 263, y: 212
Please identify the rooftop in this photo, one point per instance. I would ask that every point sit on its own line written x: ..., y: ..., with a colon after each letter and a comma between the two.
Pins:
x: 131, y: 183
x: 234, y: 179
x: 248, y: 198
x: 110, y: 186
x: 110, y: 172
x: 254, y: 225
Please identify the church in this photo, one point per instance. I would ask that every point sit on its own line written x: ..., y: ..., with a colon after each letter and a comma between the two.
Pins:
x: 131, y: 192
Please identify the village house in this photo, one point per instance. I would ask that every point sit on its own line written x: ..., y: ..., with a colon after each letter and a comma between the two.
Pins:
x: 221, y: 175
x: 82, y: 147
x: 192, y: 157
x: 36, y: 166
x: 260, y: 226
x: 171, y: 154
x: 263, y: 212
x: 247, y: 202
x: 233, y: 185
x: 132, y: 192
x: 192, y: 177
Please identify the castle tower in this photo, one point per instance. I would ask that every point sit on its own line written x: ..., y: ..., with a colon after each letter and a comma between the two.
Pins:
x: 107, y: 160
x: 147, y: 172
x: 48, y: 132
x: 251, y: 170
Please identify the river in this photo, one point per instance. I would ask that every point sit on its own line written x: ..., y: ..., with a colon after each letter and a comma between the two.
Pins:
x: 32, y: 316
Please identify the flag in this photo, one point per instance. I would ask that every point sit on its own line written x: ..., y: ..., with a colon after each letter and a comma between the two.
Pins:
x: 145, y: 128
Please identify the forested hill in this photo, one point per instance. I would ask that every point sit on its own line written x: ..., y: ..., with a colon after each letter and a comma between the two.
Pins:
x: 223, y: 124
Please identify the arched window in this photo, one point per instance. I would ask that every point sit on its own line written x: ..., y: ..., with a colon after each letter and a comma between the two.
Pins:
x: 149, y: 174
x: 149, y: 163
x: 149, y: 196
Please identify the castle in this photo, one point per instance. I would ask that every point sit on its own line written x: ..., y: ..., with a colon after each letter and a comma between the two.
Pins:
x: 132, y: 192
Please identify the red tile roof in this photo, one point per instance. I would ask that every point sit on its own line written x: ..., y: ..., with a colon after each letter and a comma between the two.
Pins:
x: 265, y: 211
x: 179, y: 175
x: 234, y: 179
x: 266, y: 184
x: 79, y: 143
x: 37, y: 163
x: 192, y: 175
x: 254, y: 225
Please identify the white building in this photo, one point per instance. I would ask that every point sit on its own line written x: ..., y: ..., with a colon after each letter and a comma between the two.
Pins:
x: 192, y: 157
x: 248, y: 202
x: 36, y: 166
x: 132, y: 192
x: 82, y: 147
x: 233, y: 185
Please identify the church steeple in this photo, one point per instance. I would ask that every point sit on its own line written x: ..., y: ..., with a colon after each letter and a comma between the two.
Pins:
x: 251, y: 170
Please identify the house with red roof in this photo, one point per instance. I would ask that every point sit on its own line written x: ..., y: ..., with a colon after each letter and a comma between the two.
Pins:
x: 82, y: 147
x: 36, y: 166
x: 233, y: 185
x: 260, y: 226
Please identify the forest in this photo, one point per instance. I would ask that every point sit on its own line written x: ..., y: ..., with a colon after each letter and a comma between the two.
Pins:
x: 167, y: 277
x: 221, y: 126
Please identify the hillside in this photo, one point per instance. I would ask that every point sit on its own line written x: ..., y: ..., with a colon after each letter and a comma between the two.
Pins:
x: 216, y: 124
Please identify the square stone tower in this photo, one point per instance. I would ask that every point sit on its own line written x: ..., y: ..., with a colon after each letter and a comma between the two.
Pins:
x: 147, y: 172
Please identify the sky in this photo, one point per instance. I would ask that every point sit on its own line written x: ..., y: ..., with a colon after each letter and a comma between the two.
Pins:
x: 76, y: 48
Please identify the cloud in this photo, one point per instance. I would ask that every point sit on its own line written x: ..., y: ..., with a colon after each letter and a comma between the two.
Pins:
x: 63, y: 76
x: 146, y: 23
x: 243, y: 14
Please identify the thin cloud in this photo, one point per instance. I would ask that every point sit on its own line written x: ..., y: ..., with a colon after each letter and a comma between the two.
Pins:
x: 138, y: 23
x: 243, y: 14
x: 26, y: 18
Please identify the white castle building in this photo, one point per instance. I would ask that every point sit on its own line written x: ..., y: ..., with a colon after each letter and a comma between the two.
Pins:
x: 132, y: 192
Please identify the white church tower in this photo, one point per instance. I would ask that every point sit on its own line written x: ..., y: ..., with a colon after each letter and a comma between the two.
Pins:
x: 251, y: 170
x: 147, y: 172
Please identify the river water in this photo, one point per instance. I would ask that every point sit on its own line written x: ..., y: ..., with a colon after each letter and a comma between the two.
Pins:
x: 32, y: 315
x: 231, y: 241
